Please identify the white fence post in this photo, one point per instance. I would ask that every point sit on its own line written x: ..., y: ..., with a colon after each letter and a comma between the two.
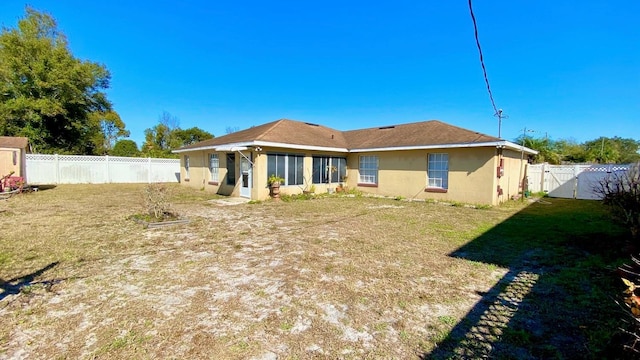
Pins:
x: 57, y: 166
x: 107, y: 178
x: 149, y: 170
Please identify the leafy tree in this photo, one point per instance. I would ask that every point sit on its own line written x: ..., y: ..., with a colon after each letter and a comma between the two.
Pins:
x: 612, y: 150
x: 544, y: 146
x: 570, y: 151
x: 191, y: 135
x: 167, y: 135
x: 48, y: 95
x: 111, y: 128
x: 125, y: 147
x: 160, y: 139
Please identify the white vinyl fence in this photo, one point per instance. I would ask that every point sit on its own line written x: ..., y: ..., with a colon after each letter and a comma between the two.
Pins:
x: 81, y: 169
x: 569, y: 181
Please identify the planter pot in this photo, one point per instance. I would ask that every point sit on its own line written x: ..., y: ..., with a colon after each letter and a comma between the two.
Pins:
x: 275, y: 190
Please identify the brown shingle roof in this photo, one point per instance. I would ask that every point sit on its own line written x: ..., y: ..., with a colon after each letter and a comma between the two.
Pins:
x: 282, y: 131
x: 292, y: 132
x: 14, y: 142
x: 423, y: 133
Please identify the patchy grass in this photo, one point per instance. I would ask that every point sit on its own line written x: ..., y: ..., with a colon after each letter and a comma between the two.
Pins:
x: 336, y: 277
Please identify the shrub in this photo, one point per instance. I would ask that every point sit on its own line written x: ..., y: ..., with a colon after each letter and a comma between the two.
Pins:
x: 620, y: 191
x: 156, y: 200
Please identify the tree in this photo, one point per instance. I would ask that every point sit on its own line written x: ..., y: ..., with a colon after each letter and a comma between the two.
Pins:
x: 167, y: 135
x: 48, y: 95
x: 159, y: 140
x: 191, y: 135
x: 111, y: 128
x: 570, y: 151
x: 125, y: 147
x: 614, y: 150
x: 544, y: 146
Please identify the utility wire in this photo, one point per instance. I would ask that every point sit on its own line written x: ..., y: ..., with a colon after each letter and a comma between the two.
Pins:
x: 484, y: 69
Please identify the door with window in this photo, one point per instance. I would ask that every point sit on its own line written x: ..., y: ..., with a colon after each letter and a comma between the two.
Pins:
x: 245, y: 183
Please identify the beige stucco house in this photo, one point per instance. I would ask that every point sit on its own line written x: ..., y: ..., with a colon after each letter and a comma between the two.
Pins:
x: 13, y: 155
x: 422, y: 160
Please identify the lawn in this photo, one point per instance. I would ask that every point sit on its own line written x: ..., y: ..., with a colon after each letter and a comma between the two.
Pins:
x: 334, y: 277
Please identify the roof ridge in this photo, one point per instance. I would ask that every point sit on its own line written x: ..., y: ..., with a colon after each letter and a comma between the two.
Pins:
x: 395, y: 125
x: 274, y: 125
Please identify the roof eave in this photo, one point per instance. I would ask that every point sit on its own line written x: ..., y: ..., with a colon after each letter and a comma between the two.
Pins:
x: 262, y: 143
x: 498, y: 144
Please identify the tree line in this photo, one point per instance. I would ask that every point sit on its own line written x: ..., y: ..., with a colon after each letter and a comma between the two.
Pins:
x: 603, y: 150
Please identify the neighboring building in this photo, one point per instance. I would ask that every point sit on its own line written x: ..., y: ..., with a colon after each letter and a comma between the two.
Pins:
x: 13, y: 155
x: 423, y: 160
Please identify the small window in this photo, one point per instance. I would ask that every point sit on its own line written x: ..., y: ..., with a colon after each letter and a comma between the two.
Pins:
x: 214, y: 166
x: 438, y: 171
x: 186, y: 166
x: 368, y: 170
x: 231, y: 169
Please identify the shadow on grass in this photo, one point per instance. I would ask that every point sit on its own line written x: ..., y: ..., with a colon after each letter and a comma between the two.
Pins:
x: 555, y: 301
x: 15, y: 285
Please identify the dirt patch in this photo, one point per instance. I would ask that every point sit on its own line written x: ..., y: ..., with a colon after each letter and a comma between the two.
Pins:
x: 337, y: 277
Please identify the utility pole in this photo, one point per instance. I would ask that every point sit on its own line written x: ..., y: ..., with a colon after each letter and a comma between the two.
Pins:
x: 500, y: 116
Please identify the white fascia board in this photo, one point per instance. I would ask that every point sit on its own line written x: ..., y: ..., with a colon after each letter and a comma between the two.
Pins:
x: 514, y: 146
x: 506, y: 144
x: 222, y: 147
x: 245, y: 145
x: 299, y: 147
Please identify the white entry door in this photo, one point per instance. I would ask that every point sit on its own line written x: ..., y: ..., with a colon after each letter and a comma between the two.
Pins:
x: 245, y: 180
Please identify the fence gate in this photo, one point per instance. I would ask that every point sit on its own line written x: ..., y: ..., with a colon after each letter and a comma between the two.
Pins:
x: 560, y: 181
x: 569, y: 181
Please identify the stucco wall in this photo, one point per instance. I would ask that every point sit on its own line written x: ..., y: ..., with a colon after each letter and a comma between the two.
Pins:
x: 404, y: 173
x: 514, y: 169
x: 200, y: 176
x: 472, y: 174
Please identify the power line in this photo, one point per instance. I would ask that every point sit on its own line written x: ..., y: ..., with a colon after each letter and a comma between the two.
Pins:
x: 496, y: 112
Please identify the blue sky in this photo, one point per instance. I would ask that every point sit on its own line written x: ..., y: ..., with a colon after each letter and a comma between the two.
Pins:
x: 566, y: 69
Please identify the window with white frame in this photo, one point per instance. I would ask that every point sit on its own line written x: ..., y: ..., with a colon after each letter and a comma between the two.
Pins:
x: 214, y: 167
x: 368, y: 170
x: 287, y: 166
x: 186, y: 166
x: 325, y: 168
x: 438, y: 171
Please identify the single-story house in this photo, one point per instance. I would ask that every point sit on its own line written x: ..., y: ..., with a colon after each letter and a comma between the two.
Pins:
x: 422, y: 160
x: 13, y: 155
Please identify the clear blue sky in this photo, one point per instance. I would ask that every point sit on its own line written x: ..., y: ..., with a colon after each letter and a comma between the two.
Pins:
x: 570, y: 69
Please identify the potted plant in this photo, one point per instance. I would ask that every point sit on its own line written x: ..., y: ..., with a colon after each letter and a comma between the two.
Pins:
x: 274, y: 183
x: 342, y: 186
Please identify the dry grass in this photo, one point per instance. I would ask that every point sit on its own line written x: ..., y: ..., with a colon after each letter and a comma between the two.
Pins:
x: 336, y: 277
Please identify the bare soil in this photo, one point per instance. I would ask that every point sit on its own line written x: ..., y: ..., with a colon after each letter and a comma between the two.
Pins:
x: 337, y: 277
